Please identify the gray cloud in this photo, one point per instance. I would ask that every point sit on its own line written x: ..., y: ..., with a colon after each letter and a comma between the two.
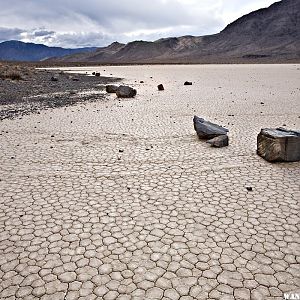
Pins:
x: 43, y: 33
x: 74, y: 23
x: 10, y: 33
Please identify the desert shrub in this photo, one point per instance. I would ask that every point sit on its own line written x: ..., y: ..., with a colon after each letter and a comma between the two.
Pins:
x: 13, y: 75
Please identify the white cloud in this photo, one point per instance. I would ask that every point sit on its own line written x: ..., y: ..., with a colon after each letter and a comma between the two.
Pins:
x: 75, y: 23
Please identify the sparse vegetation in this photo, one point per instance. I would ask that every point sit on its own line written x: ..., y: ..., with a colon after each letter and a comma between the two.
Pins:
x: 13, y: 75
x: 10, y: 72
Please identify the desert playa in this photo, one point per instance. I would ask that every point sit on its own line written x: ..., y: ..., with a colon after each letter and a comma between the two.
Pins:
x: 119, y: 199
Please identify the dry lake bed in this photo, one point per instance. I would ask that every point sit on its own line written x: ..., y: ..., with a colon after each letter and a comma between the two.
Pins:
x: 120, y: 199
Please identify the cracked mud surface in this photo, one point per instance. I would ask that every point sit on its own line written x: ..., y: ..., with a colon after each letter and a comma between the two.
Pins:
x: 120, y: 200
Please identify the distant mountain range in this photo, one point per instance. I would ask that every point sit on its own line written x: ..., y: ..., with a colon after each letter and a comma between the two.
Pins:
x: 268, y: 34
x: 19, y: 51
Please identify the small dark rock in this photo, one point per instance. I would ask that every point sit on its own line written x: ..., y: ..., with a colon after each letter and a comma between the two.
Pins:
x: 249, y: 188
x: 111, y: 88
x: 54, y: 78
x: 121, y: 151
x: 188, y: 83
x: 124, y: 91
x: 160, y: 87
x: 219, y: 141
x: 97, y: 74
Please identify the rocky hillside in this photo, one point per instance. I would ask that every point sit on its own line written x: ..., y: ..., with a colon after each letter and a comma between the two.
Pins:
x: 271, y: 34
x: 100, y: 54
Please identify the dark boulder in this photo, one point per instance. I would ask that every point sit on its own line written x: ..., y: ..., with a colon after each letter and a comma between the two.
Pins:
x: 279, y: 145
x: 219, y: 141
x: 160, y: 87
x: 207, y: 130
x: 111, y: 88
x: 94, y: 73
x: 97, y: 74
x: 124, y: 91
x: 188, y: 83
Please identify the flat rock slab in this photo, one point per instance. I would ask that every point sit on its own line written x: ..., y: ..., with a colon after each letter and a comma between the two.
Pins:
x: 219, y: 141
x: 208, y: 130
x: 279, y: 145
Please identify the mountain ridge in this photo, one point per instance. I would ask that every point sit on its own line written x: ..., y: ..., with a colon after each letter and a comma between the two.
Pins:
x: 272, y: 33
x: 19, y: 51
x: 267, y: 34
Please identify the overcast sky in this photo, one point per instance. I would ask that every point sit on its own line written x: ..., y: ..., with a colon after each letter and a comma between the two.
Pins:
x: 80, y: 23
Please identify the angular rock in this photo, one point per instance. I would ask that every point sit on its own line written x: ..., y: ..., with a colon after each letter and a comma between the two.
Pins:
x: 279, y: 145
x: 125, y: 92
x: 111, y: 88
x: 160, y: 87
x: 54, y: 78
x: 208, y: 130
x: 188, y: 83
x: 219, y: 141
x: 97, y: 74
